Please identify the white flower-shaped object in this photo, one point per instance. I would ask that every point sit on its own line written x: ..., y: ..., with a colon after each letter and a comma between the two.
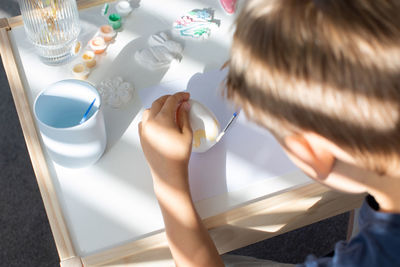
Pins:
x: 115, y: 92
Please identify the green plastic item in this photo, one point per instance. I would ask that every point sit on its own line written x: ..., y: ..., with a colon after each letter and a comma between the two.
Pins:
x: 115, y: 21
x: 104, y: 10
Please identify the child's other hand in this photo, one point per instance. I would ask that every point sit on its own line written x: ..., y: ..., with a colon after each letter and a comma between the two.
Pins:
x: 166, y: 138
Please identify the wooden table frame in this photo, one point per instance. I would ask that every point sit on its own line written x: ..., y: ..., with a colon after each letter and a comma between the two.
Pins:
x: 233, y: 229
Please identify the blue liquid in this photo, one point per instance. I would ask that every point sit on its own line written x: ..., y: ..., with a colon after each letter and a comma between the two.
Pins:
x: 61, y: 112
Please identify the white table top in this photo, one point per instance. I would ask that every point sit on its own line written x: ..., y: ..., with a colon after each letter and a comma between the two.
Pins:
x: 112, y: 202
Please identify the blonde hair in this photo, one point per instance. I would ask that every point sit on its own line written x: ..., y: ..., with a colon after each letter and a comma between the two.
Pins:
x: 327, y: 66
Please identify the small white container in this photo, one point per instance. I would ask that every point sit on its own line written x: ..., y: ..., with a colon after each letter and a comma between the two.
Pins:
x: 80, y: 71
x: 89, y: 58
x: 98, y: 45
x: 58, y: 110
x: 107, y: 32
x: 123, y: 8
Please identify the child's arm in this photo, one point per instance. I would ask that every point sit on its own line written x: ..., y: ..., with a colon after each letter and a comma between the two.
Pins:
x: 166, y: 139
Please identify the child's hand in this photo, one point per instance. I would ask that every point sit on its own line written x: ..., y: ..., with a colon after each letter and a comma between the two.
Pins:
x: 166, y: 138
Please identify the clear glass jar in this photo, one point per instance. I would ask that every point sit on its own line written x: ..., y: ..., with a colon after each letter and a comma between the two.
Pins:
x: 52, y: 26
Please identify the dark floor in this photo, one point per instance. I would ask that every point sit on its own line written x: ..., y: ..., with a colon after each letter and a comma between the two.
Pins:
x: 25, y: 236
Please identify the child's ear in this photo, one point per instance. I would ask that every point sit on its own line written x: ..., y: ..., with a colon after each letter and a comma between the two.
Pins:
x: 310, y: 152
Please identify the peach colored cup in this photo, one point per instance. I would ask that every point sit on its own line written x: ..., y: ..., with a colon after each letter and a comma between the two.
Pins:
x: 98, y: 45
x: 107, y: 32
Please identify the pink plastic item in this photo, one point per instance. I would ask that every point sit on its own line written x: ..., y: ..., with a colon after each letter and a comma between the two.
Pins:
x: 228, y: 5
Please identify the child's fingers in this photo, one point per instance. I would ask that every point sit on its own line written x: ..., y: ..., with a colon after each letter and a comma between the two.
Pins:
x: 145, y: 115
x: 157, y: 105
x: 140, y: 130
x: 183, y: 118
x: 172, y: 103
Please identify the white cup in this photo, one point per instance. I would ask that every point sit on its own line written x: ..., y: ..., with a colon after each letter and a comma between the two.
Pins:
x: 59, y: 110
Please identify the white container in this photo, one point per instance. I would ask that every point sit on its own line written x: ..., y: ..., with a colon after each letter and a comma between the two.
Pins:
x: 58, y: 110
x: 98, y: 45
x: 107, y: 32
x: 89, y: 58
x: 123, y: 8
x: 80, y: 71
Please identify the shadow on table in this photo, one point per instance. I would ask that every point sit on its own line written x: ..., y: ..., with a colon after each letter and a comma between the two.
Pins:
x: 233, y: 234
x: 268, y: 223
